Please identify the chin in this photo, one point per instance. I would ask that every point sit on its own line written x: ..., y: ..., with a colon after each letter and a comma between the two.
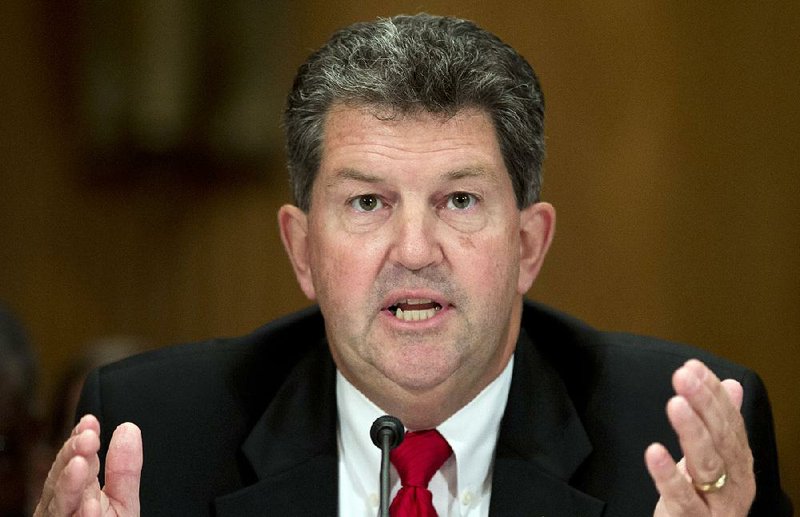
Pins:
x: 420, y: 377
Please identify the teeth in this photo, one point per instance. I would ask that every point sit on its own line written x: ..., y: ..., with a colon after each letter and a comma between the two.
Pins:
x: 411, y: 315
x: 415, y: 309
x: 417, y: 301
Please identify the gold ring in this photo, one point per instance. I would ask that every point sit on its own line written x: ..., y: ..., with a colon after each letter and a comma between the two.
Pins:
x: 708, y: 488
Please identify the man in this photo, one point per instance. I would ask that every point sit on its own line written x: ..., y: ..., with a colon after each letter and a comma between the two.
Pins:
x: 415, y: 147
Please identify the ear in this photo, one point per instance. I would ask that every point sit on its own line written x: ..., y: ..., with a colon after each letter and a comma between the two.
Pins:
x: 537, y: 226
x: 293, y: 224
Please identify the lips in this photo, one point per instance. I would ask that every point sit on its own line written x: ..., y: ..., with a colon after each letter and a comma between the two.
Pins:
x: 414, y: 309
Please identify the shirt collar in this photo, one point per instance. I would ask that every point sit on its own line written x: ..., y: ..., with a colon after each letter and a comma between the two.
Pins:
x: 356, y: 414
x: 471, y: 432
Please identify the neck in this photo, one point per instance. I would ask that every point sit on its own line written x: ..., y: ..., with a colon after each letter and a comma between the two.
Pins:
x: 427, y: 409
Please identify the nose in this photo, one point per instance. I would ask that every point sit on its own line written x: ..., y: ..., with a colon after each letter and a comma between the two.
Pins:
x: 416, y: 244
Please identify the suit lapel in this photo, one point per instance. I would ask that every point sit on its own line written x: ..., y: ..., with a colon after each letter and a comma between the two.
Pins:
x: 541, y: 444
x: 293, y: 452
x: 292, y: 449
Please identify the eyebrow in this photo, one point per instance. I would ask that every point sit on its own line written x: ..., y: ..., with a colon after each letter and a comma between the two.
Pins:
x: 354, y: 174
x: 364, y: 177
x: 469, y: 172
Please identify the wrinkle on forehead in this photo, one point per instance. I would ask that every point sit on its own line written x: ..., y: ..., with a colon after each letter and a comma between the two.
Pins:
x: 360, y: 148
x: 462, y: 117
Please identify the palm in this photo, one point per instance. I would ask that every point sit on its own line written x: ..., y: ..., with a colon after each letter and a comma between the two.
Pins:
x: 72, y: 486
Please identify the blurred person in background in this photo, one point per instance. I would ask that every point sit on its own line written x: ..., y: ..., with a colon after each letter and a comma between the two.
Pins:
x: 56, y: 427
x: 97, y: 353
x: 19, y: 428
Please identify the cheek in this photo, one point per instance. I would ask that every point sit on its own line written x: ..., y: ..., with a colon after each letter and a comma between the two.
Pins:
x: 466, y: 242
x: 487, y: 266
x: 499, y: 251
x: 344, y: 268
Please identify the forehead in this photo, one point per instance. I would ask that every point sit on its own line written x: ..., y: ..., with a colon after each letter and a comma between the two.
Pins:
x: 366, y: 139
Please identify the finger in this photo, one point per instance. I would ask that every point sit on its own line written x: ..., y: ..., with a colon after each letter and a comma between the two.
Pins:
x: 703, y: 462
x: 92, y: 494
x: 745, y: 478
x: 84, y: 443
x: 735, y: 392
x: 704, y: 391
x: 90, y: 506
x: 70, y: 489
x: 682, y: 469
x: 678, y: 497
x: 124, y: 467
x: 710, y: 401
x: 717, y: 404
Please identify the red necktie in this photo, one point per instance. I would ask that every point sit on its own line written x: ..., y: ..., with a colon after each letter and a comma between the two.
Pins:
x: 417, y: 458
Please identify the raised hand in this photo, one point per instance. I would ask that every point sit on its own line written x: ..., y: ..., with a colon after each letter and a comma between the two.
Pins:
x: 715, y: 476
x: 72, y: 487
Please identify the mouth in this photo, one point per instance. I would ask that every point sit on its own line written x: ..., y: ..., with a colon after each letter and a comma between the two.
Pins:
x: 414, y: 309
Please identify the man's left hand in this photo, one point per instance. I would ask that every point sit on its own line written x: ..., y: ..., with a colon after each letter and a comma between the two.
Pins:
x: 715, y: 476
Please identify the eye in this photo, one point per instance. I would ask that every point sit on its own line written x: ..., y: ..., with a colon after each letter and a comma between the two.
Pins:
x: 366, y: 203
x: 461, y: 201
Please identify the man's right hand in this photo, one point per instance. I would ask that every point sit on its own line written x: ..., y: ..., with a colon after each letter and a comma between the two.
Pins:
x: 72, y: 487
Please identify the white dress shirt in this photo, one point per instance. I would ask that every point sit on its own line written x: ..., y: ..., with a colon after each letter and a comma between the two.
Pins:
x: 461, y: 488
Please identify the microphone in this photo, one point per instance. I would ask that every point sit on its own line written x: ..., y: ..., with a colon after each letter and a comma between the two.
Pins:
x: 386, y: 432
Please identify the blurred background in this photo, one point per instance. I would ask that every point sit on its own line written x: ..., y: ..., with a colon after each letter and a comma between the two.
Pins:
x: 141, y: 167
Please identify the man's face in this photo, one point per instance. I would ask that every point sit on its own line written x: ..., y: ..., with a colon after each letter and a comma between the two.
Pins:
x: 417, y: 253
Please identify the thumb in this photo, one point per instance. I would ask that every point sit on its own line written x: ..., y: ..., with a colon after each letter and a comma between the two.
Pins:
x: 124, y: 469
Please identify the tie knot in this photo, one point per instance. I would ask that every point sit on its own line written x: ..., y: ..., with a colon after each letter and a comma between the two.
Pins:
x: 419, y: 456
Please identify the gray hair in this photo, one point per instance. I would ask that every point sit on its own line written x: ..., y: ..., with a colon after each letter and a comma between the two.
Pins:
x: 411, y: 64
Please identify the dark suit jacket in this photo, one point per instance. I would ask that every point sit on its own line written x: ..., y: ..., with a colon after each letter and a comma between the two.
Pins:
x: 247, y: 426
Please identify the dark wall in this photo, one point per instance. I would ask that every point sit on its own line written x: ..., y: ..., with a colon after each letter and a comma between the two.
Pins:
x: 672, y: 163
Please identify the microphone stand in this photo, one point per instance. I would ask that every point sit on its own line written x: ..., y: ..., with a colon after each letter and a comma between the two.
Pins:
x: 386, y: 432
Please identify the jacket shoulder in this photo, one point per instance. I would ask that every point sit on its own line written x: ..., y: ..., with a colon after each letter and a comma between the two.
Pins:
x: 196, y: 404
x: 567, y: 340
x: 206, y: 383
x: 271, y: 349
x: 620, y: 384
